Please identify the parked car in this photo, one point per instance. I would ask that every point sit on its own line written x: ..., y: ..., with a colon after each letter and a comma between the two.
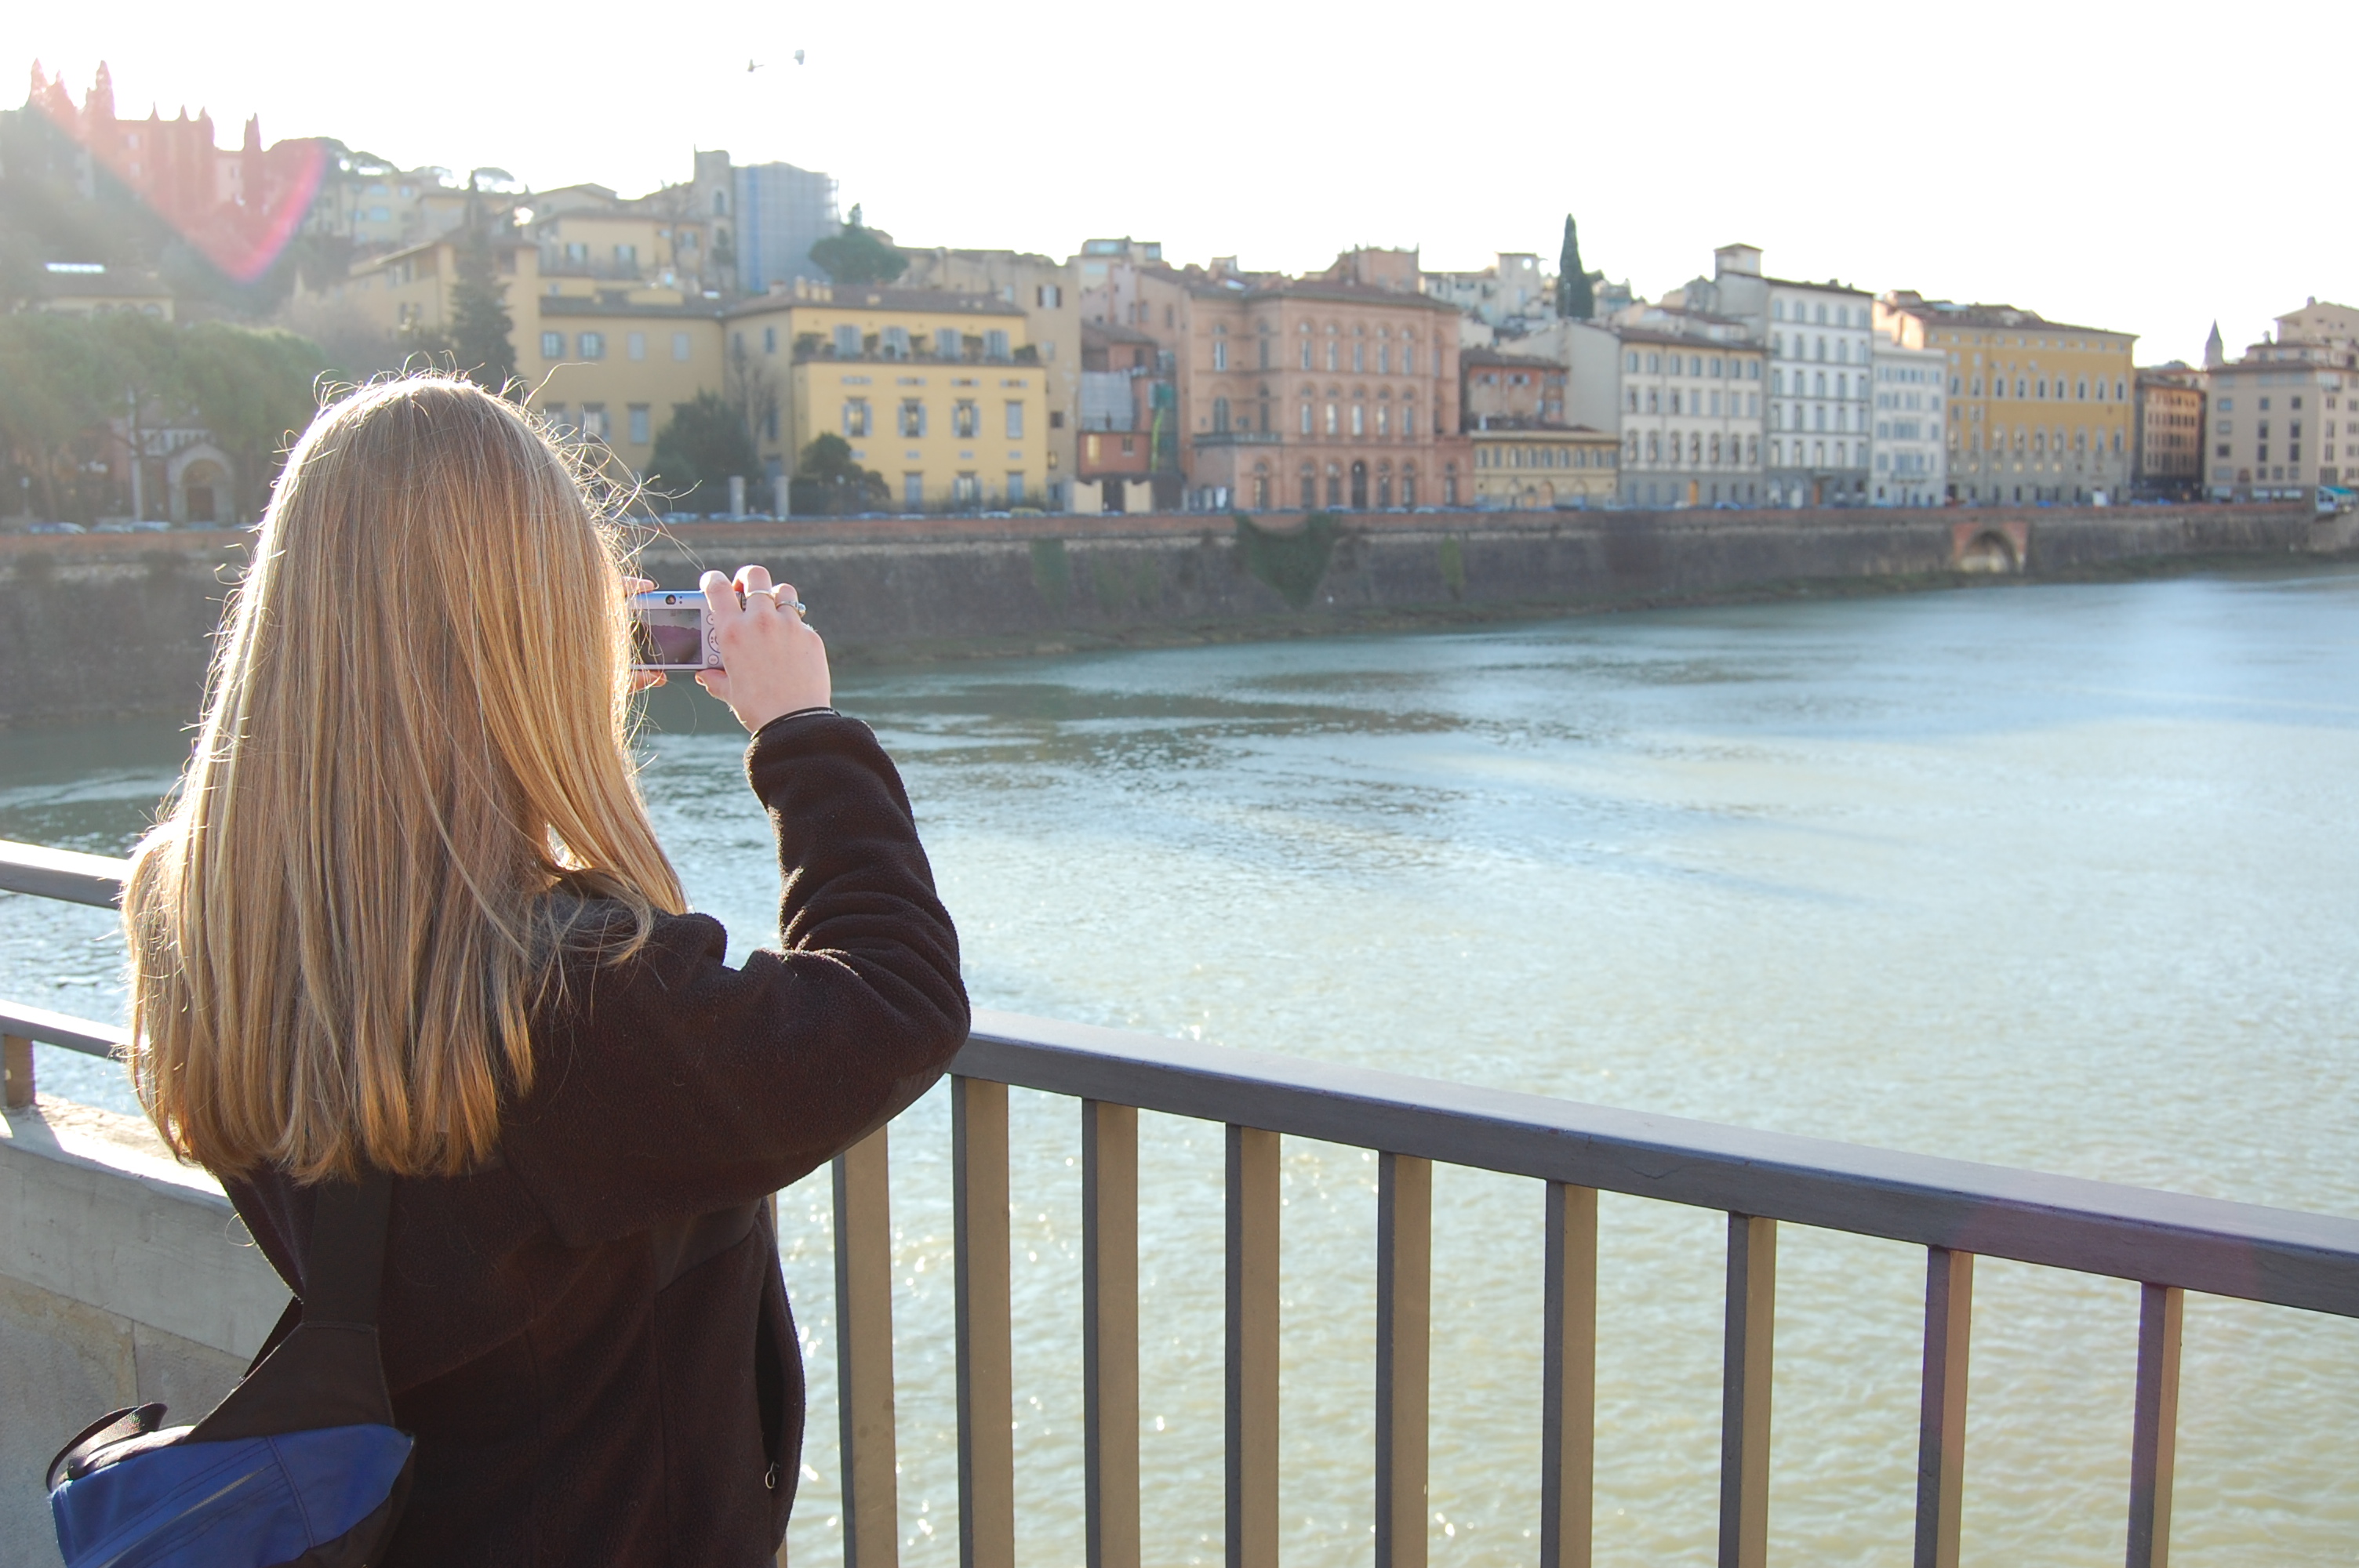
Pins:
x: 134, y: 525
x: 57, y: 528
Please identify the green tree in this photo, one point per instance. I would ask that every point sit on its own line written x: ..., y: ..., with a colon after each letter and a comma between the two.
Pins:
x: 1575, y: 297
x: 482, y: 332
x: 828, y: 480
x: 860, y: 255
x: 54, y: 388
x: 254, y: 389
x: 700, y: 447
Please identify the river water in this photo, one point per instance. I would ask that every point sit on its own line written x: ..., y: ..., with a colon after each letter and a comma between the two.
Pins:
x: 2058, y: 876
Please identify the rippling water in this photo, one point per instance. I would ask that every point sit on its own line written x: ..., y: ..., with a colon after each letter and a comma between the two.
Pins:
x: 2054, y: 876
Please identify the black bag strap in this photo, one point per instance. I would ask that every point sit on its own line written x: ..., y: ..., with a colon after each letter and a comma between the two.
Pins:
x: 344, y: 1265
x: 328, y: 1370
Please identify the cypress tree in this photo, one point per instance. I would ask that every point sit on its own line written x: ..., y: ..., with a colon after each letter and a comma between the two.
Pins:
x: 483, y: 335
x: 1575, y: 297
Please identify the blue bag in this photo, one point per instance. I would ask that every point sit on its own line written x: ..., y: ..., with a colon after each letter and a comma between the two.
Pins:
x: 300, y: 1467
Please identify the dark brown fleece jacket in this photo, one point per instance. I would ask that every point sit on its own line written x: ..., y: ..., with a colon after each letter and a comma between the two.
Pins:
x: 591, y: 1340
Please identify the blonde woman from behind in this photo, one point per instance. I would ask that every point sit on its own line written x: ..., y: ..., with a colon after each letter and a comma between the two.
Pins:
x: 405, y: 913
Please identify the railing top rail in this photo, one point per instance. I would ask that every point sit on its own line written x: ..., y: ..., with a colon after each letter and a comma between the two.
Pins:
x: 65, y: 875
x: 46, y: 1028
x: 2281, y: 1256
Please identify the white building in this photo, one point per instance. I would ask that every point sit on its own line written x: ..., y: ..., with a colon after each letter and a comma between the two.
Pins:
x: 1515, y: 292
x: 1907, y: 444
x: 1817, y: 335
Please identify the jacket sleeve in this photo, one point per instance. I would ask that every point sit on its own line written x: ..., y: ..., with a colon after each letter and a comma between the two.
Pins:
x: 673, y: 1085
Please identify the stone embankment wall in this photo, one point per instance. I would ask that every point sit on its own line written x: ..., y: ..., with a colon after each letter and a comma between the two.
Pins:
x: 118, y: 623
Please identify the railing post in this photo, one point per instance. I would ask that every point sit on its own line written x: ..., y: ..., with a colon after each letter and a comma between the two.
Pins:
x: 864, y: 1353
x: 1252, y: 1359
x: 17, y: 1068
x: 1110, y: 1332
x: 1404, y: 1354
x: 1744, y: 1392
x: 1942, y: 1426
x: 1569, y: 1385
x: 2154, y: 1442
x: 986, y: 1382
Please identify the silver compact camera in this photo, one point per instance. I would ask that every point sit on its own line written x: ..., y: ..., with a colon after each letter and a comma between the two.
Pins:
x: 672, y: 630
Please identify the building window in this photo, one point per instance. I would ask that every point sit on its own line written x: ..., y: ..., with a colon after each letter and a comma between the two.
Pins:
x: 1384, y: 420
x: 1334, y: 480
x: 1306, y: 418
x: 636, y: 345
x: 591, y: 345
x: 769, y: 339
x: 1016, y: 421
x: 949, y: 343
x: 593, y: 421
x: 1333, y: 350
x: 994, y: 343
x: 896, y: 340
x: 1050, y: 296
x: 1306, y: 353
x: 847, y: 342
x: 680, y: 345
x: 1220, y: 409
x: 770, y: 423
x: 1359, y: 419
x: 1220, y: 353
x: 966, y: 420
x: 856, y: 416
x: 913, y: 491
x: 1359, y: 359
x: 913, y: 417
x: 1014, y: 489
x: 1408, y: 367
x: 552, y: 345
x: 640, y: 420
x: 1334, y: 428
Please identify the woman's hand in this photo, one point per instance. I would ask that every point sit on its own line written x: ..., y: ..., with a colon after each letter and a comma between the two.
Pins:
x: 774, y: 664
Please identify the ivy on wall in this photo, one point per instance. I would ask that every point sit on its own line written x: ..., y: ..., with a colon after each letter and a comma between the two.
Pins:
x: 1292, y: 563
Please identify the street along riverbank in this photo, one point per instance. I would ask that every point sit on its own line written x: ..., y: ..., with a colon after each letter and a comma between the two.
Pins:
x: 117, y: 624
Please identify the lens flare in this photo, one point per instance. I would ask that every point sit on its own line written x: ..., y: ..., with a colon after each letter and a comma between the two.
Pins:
x: 238, y: 209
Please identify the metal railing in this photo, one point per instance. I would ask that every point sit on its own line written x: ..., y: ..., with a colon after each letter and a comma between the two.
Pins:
x: 1957, y: 1210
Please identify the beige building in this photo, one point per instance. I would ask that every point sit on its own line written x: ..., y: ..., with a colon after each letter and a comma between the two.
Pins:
x: 1530, y: 468
x: 1907, y: 446
x: 1049, y: 294
x: 2171, y: 424
x: 943, y: 394
x: 2038, y: 410
x: 1691, y: 414
x: 2285, y: 418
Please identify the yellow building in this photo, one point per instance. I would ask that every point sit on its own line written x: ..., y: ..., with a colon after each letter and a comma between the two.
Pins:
x: 2038, y: 410
x: 941, y: 392
x: 1533, y: 467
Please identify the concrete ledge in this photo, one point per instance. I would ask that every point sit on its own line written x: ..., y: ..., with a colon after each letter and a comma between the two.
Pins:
x: 124, y: 1277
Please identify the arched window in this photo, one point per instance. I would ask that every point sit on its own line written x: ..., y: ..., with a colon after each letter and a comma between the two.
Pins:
x: 1220, y: 411
x: 1309, y: 487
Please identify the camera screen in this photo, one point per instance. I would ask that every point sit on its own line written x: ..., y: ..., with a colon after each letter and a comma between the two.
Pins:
x: 668, y: 635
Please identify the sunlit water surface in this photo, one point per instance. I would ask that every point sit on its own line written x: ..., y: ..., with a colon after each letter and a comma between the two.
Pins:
x: 2061, y: 877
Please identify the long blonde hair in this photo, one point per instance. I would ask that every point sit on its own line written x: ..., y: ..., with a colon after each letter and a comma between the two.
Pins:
x: 411, y: 774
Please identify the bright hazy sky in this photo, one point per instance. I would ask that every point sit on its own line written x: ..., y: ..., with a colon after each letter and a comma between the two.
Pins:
x: 2146, y: 167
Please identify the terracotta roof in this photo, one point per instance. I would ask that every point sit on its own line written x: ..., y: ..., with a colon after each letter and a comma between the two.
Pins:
x: 1115, y: 332
x: 1990, y: 316
x: 880, y: 297
x: 1501, y: 357
x: 1502, y: 425
x: 1640, y: 335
